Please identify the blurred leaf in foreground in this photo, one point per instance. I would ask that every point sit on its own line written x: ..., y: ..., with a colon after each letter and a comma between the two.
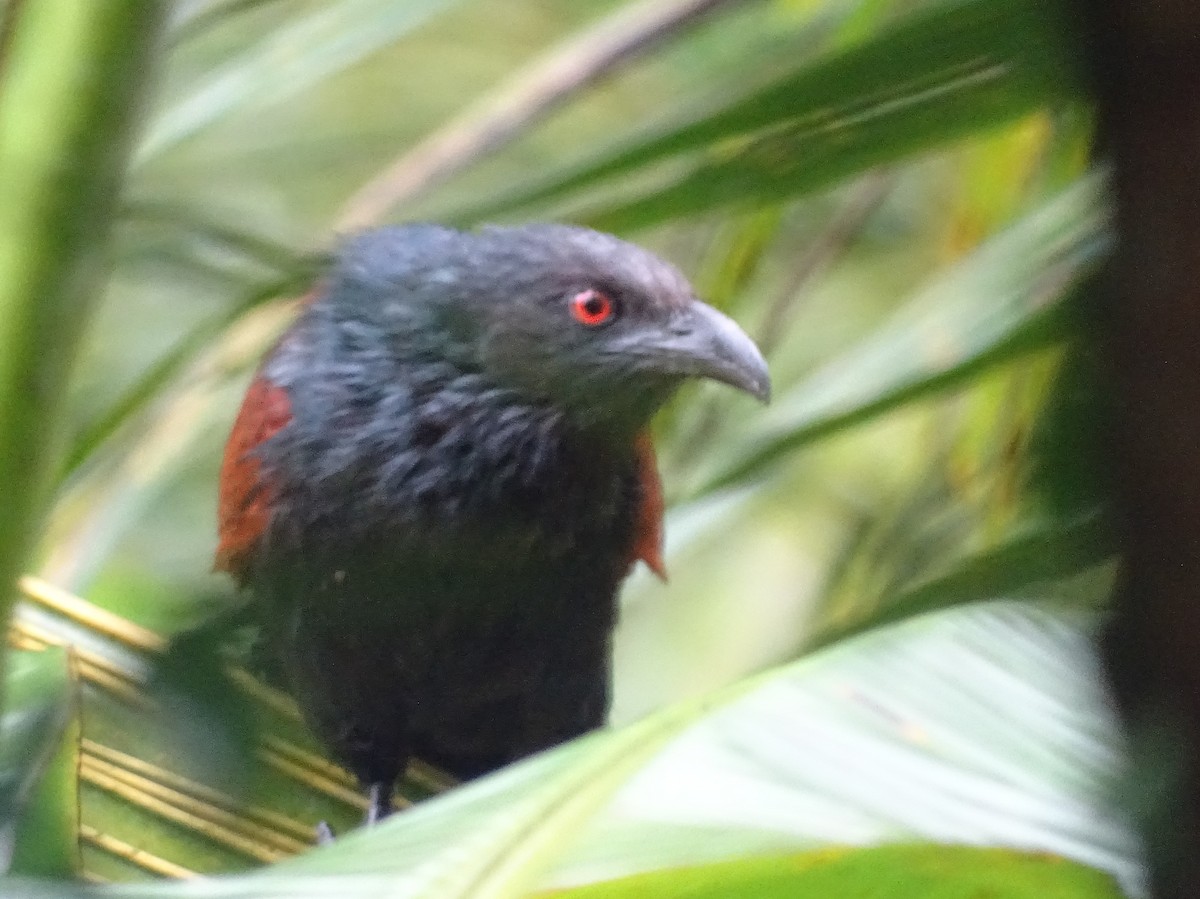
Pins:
x: 884, y: 872
x: 39, y: 755
x: 1000, y: 303
x: 985, y: 726
x: 939, y: 75
x: 286, y: 61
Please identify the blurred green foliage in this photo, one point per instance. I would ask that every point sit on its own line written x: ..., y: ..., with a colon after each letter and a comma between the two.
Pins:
x: 893, y: 196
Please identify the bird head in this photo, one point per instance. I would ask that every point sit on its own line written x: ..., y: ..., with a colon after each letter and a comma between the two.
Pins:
x: 566, y: 315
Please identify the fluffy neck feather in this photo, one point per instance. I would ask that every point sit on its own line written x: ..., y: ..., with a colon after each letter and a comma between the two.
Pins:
x: 381, y: 441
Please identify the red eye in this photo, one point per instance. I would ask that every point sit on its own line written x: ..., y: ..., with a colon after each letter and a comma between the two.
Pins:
x: 592, y: 308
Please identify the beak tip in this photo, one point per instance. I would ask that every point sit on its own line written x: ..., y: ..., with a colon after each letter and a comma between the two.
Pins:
x: 713, y: 346
x: 762, y: 392
x: 757, y: 384
x: 750, y: 373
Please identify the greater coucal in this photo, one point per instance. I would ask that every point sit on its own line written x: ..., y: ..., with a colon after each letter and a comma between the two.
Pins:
x: 441, y: 475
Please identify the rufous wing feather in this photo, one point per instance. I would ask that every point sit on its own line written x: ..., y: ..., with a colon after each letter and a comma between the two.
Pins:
x: 648, y: 525
x: 244, y: 499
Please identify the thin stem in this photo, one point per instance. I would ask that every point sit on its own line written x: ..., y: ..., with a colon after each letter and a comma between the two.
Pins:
x: 865, y: 197
x: 525, y: 99
x: 816, y: 259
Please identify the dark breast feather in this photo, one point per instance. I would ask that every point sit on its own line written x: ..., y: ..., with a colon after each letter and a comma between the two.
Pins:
x: 467, y: 560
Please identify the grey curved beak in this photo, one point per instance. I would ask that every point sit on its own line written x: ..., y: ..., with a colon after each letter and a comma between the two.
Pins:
x: 704, y: 343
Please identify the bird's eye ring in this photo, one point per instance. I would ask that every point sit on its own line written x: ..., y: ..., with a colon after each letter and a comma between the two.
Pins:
x: 592, y: 308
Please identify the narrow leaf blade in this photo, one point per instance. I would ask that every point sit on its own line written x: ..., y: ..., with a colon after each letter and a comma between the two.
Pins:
x: 942, y: 73
x: 39, y: 746
x: 1002, y: 302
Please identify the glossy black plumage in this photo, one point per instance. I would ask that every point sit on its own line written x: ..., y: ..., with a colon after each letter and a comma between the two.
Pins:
x: 435, y: 488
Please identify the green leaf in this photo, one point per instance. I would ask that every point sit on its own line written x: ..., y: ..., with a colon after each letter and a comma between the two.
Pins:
x: 984, y: 725
x: 939, y: 75
x: 194, y: 21
x: 159, y: 379
x: 73, y: 78
x: 194, y: 227
x: 163, y: 789
x: 1002, y: 302
x: 288, y: 61
x: 135, y: 445
x: 1048, y: 551
x: 1070, y: 470
x: 981, y: 725
x: 882, y: 872
x: 39, y: 751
